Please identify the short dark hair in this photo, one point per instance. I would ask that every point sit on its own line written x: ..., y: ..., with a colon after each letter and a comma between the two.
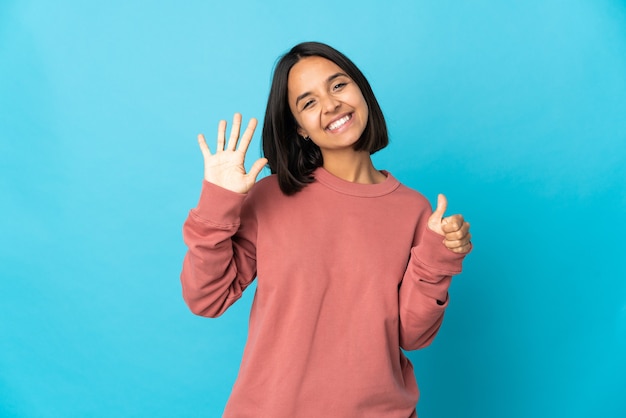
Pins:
x: 292, y: 158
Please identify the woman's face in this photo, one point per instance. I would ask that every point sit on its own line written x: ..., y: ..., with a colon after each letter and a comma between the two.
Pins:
x: 327, y: 104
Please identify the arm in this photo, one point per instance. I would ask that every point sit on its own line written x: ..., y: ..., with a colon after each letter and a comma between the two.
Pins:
x: 221, y: 231
x: 424, y: 291
x: 442, y: 246
x: 221, y: 260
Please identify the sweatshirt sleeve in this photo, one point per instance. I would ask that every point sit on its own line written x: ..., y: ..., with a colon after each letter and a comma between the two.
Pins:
x: 424, y: 290
x: 220, y: 234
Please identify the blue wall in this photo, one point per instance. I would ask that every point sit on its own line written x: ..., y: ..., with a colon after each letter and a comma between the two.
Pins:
x: 516, y: 110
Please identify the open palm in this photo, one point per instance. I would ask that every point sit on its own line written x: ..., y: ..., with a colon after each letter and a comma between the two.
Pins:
x: 225, y: 167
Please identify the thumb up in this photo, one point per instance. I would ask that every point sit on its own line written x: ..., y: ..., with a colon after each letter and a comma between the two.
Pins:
x: 454, y: 229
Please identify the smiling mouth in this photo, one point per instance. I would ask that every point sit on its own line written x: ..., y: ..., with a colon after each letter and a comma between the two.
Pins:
x: 339, y: 122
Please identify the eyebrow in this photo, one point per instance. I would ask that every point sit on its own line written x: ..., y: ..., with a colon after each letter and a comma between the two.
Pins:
x: 328, y: 80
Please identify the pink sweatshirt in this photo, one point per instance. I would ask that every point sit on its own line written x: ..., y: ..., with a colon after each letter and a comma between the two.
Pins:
x: 347, y: 275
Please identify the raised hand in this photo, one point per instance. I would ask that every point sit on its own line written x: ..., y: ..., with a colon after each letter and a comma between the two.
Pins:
x: 225, y: 167
x: 454, y: 228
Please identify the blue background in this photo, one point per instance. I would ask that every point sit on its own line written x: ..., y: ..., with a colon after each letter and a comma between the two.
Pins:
x: 515, y: 109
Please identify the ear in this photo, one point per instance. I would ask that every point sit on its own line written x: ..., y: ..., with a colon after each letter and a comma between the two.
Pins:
x: 301, y: 132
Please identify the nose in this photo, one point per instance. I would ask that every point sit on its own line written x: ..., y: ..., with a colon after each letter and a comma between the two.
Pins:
x: 330, y: 103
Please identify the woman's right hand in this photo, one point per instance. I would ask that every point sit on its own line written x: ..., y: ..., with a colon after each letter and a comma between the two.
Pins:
x: 225, y: 167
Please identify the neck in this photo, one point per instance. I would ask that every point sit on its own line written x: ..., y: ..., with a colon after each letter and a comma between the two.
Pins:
x: 355, y: 167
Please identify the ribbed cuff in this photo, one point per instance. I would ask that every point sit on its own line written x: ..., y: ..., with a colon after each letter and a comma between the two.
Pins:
x: 218, y: 205
x: 432, y: 253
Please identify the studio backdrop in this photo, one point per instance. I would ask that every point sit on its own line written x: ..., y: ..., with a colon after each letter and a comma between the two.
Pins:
x: 516, y: 110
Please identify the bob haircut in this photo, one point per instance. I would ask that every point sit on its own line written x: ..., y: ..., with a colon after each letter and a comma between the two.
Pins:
x: 291, y: 157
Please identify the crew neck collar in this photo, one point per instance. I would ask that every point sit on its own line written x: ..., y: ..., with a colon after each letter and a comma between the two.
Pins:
x: 356, y: 189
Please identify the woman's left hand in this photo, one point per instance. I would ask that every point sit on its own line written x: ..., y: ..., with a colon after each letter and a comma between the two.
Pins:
x: 454, y: 228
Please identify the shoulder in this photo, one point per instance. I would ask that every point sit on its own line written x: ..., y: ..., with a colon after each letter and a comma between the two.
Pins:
x: 264, y: 190
x: 266, y: 184
x: 413, y: 195
x: 410, y: 196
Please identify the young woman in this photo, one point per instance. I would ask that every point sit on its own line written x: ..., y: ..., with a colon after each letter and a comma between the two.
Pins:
x: 352, y: 267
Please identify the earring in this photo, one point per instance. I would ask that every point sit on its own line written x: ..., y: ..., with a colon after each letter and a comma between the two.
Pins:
x: 306, y: 138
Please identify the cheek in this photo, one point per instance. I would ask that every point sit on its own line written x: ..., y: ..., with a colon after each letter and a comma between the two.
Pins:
x: 306, y: 120
x: 366, y: 112
x: 363, y: 106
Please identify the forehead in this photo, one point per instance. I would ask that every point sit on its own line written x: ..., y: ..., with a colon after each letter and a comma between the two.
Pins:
x: 309, y: 73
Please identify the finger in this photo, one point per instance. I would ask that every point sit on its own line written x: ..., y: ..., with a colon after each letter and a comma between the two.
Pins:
x: 203, y: 145
x: 442, y: 204
x: 256, y: 168
x: 221, y: 135
x: 246, y: 138
x: 435, y: 219
x: 455, y: 225
x: 452, y: 244
x: 458, y: 234
x: 234, y: 132
x: 464, y: 249
x: 452, y: 223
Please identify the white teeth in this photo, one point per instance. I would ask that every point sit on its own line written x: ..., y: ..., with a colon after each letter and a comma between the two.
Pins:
x: 338, y: 123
